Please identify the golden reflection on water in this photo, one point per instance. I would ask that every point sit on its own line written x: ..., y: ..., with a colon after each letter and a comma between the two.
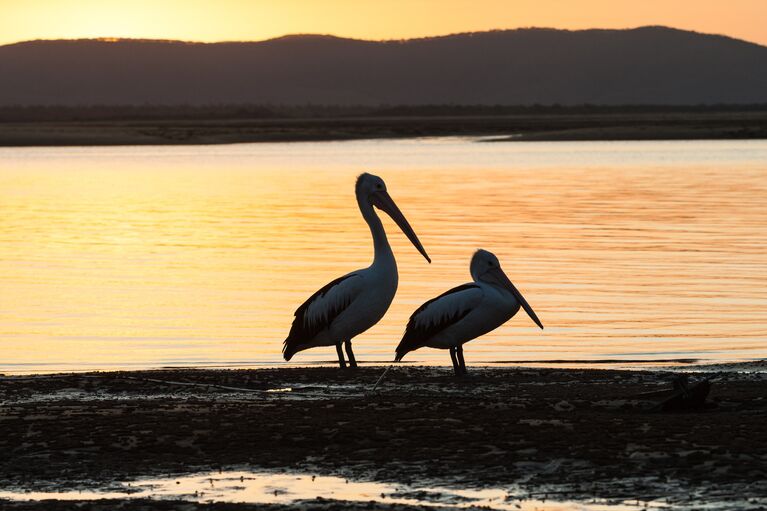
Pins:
x: 141, y: 256
x: 297, y: 488
x: 293, y: 488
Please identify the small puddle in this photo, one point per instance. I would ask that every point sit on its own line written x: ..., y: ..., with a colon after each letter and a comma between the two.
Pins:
x: 280, y: 488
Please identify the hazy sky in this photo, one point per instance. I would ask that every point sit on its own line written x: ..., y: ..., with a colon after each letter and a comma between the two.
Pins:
x: 218, y: 20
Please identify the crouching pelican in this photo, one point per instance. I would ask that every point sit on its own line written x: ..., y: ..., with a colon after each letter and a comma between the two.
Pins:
x: 351, y: 304
x: 465, y: 312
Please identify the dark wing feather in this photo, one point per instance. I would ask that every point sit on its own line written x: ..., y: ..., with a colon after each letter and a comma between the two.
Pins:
x: 305, y: 328
x: 419, y: 330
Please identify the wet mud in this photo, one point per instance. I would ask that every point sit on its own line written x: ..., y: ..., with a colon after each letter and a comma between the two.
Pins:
x: 569, y: 434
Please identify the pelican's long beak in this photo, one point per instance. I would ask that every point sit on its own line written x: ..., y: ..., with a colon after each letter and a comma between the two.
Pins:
x: 499, y: 277
x: 384, y: 202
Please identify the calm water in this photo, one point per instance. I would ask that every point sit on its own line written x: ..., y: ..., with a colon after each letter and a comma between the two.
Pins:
x: 297, y: 488
x: 152, y: 256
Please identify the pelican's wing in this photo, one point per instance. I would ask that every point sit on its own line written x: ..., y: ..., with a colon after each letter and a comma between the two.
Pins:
x: 318, y: 312
x: 437, y: 314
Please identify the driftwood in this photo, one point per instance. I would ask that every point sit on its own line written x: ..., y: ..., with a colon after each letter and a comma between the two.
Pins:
x: 683, y: 396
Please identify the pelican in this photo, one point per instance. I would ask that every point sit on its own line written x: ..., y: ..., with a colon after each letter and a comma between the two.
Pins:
x: 351, y: 304
x: 465, y: 312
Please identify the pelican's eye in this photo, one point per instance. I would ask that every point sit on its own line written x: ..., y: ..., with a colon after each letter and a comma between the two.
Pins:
x: 379, y: 186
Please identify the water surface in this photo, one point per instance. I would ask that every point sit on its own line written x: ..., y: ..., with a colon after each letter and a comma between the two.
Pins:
x: 198, y: 255
x: 296, y: 488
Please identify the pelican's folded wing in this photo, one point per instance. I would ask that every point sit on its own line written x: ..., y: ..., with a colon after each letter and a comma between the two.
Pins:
x: 437, y: 314
x: 318, y: 312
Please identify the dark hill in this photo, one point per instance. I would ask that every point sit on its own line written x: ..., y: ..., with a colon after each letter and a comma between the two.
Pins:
x: 650, y: 65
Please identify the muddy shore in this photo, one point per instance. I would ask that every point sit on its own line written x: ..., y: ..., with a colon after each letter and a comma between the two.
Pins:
x: 522, y: 127
x: 579, y: 434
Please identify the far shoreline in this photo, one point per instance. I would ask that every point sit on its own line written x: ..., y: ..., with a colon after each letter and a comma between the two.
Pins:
x: 524, y: 127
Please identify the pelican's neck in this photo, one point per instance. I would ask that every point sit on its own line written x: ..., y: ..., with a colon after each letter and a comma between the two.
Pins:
x: 383, y: 253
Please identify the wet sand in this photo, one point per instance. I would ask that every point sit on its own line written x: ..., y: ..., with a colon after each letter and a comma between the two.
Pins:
x: 542, y: 127
x: 569, y: 434
x: 154, y: 505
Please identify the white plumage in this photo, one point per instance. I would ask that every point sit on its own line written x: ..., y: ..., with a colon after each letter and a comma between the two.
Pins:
x: 351, y: 304
x: 465, y: 312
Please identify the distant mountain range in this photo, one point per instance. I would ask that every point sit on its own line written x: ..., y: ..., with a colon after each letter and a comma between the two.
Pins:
x: 649, y: 65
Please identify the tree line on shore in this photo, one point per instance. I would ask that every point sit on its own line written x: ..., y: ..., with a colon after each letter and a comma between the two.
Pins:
x: 85, y: 113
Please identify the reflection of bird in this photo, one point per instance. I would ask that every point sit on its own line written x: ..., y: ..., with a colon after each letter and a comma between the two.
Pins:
x: 465, y: 312
x: 353, y: 303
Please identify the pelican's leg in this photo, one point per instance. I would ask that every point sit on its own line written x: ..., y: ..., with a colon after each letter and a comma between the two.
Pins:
x: 341, y: 361
x: 350, y: 354
x: 456, y: 368
x: 461, y: 363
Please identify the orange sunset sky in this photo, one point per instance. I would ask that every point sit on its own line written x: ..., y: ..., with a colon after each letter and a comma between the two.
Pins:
x: 221, y: 20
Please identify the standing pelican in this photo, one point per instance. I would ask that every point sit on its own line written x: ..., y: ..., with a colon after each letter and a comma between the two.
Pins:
x: 351, y: 304
x: 465, y: 312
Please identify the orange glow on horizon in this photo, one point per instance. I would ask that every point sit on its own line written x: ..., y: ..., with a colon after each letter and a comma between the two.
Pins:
x: 228, y: 20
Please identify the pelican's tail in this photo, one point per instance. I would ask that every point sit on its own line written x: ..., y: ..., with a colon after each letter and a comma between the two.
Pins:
x: 408, y: 343
x: 290, y: 347
x: 288, y: 352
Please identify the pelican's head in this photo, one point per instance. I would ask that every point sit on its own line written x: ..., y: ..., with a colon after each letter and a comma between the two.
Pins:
x: 486, y: 268
x: 371, y: 190
x: 481, y: 262
x: 369, y: 184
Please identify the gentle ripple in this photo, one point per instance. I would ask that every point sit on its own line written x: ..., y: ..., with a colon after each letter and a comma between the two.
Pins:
x: 198, y: 255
